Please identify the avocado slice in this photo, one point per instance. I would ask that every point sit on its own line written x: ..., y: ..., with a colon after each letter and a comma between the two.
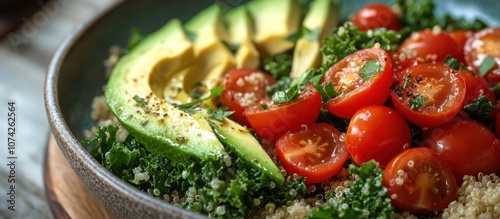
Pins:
x: 168, y: 58
x: 131, y: 96
x: 213, y: 59
x: 244, y: 144
x: 321, y: 18
x: 274, y: 21
x: 240, y: 30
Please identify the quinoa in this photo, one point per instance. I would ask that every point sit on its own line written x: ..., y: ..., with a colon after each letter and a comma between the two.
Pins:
x: 477, y: 198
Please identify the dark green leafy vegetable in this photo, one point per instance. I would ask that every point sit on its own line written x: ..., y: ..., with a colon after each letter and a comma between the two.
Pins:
x: 220, y: 187
x: 327, y: 92
x: 419, y: 15
x: 480, y: 109
x: 365, y: 198
x: 279, y: 65
x: 453, y: 63
x: 220, y: 113
x: 417, y: 102
x: 193, y: 106
x: 370, y: 69
x: 348, y: 39
x: 286, y: 95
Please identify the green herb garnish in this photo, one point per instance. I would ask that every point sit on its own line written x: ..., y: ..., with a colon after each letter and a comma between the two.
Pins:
x: 219, y: 114
x: 286, y: 95
x: 135, y: 38
x: 486, y: 65
x: 327, y: 92
x: 370, y: 69
x: 417, y: 102
x: 139, y: 101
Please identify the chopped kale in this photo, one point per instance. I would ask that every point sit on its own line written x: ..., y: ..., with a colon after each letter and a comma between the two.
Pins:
x: 480, y: 109
x: 279, y: 65
x: 218, y: 187
x: 348, y: 39
x: 365, y: 198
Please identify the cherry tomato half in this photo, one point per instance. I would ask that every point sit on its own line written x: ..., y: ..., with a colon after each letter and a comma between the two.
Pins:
x: 460, y: 37
x: 356, y: 88
x: 481, y: 45
x: 243, y: 88
x: 432, y: 45
x: 419, y: 181
x: 366, y: 140
x: 400, y: 61
x: 276, y: 120
x: 315, y: 152
x: 467, y: 146
x: 475, y: 87
x: 376, y: 15
x: 429, y: 95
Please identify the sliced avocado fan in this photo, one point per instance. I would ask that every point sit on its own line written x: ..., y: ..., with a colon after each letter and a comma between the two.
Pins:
x: 319, y: 22
x: 139, y: 82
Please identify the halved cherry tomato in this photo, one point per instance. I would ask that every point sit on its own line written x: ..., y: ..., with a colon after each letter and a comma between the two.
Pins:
x: 419, y: 181
x: 400, y: 61
x: 376, y: 15
x: 481, y: 45
x: 460, y: 37
x: 366, y: 140
x: 243, y: 88
x: 475, y: 87
x: 429, y: 95
x: 467, y: 146
x: 432, y: 45
x: 315, y: 152
x: 357, y: 91
x: 276, y: 120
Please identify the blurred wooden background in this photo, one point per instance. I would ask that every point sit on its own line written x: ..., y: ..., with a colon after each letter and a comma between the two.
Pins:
x: 31, y: 33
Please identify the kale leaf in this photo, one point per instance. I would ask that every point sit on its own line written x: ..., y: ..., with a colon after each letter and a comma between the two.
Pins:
x: 224, y: 187
x: 365, y: 198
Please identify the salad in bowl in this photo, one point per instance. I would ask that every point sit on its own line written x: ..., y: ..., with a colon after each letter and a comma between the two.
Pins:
x: 282, y: 109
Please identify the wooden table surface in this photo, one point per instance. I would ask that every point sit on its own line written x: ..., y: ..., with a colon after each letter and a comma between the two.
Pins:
x: 24, y: 57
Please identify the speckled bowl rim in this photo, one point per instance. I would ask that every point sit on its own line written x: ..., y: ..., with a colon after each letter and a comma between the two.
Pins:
x: 78, y: 157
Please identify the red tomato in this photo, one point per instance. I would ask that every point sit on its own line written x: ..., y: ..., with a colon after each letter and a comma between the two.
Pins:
x: 419, y: 181
x: 275, y: 121
x: 467, y: 146
x: 315, y: 152
x: 497, y: 122
x: 244, y: 88
x: 366, y: 140
x: 376, y: 15
x: 356, y: 92
x: 460, y: 37
x: 432, y: 45
x: 429, y: 95
x: 400, y: 61
x: 475, y: 87
x: 481, y: 45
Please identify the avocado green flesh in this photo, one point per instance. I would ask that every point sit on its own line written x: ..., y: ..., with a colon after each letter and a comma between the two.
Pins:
x: 246, y: 147
x: 162, y: 128
x: 322, y: 16
x: 274, y: 21
x: 162, y: 69
x: 240, y: 31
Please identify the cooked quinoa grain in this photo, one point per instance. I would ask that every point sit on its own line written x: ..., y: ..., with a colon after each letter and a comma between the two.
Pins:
x: 477, y: 198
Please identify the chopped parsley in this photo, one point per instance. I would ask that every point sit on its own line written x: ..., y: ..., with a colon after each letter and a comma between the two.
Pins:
x: 417, y: 102
x: 370, y: 69
x: 139, y: 100
x: 286, y: 95
x: 327, y: 92
x: 219, y: 114
x: 486, y: 65
x: 193, y: 106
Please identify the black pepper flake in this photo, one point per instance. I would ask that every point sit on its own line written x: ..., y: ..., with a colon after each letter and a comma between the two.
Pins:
x: 181, y: 139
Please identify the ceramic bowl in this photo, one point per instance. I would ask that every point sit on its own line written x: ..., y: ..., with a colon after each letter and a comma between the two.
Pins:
x: 76, y: 75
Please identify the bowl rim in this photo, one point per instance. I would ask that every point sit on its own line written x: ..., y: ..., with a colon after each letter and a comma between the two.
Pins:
x: 66, y: 140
